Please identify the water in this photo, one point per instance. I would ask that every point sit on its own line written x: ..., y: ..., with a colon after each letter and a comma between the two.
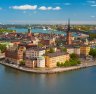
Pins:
x: 22, y: 30
x: 37, y: 31
x: 74, y: 82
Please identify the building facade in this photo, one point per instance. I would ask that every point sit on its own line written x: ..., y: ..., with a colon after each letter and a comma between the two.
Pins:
x: 51, y: 59
x: 84, y: 50
x: 14, y: 55
x: 38, y: 54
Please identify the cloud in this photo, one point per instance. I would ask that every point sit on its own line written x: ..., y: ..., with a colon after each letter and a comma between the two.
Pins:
x: 57, y: 8
x: 93, y: 16
x: 43, y: 8
x: 25, y: 7
x: 92, y: 2
x: 49, y: 8
x: 34, y: 7
x: 93, y: 5
x: 0, y: 8
x: 67, y: 4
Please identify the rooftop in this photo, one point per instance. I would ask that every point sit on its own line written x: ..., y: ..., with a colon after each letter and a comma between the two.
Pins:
x: 56, y: 54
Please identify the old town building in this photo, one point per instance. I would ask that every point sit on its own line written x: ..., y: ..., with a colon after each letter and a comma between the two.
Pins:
x: 84, y: 50
x: 69, y: 35
x: 51, y: 59
x: 36, y: 53
x: 14, y: 55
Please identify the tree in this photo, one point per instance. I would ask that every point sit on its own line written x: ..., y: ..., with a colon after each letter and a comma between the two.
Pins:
x: 92, y: 36
x: 51, y: 50
x: 22, y: 63
x: 2, y: 48
x: 5, y: 30
x: 40, y: 45
x: 93, y: 53
x: 66, y: 64
x: 63, y: 49
x: 58, y: 64
x: 73, y: 56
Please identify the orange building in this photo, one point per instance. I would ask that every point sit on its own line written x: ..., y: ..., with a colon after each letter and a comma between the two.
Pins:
x: 84, y: 50
x: 48, y: 41
x: 51, y: 59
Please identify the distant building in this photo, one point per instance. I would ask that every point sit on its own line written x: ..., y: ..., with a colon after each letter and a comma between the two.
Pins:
x: 48, y: 41
x: 84, y: 50
x: 73, y: 49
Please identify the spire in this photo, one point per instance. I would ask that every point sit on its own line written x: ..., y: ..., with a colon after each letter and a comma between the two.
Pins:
x: 68, y: 37
x: 29, y: 29
x: 68, y: 25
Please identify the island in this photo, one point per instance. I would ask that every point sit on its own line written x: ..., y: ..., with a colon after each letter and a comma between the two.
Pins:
x: 47, y: 52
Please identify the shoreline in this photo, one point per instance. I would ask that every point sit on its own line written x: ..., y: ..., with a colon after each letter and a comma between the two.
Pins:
x: 49, y: 71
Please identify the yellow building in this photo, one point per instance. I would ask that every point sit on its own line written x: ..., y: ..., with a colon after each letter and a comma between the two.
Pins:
x: 51, y: 59
x: 84, y: 50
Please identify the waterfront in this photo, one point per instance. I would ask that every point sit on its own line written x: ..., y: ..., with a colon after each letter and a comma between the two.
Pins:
x: 23, y: 30
x: 84, y: 64
x: 74, y: 82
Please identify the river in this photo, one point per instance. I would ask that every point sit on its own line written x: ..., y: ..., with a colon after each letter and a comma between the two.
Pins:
x: 81, y: 81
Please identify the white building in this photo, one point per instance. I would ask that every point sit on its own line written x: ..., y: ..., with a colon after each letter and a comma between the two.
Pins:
x: 37, y: 53
x: 41, y: 62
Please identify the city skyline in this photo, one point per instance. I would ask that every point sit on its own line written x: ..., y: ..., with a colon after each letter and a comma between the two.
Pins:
x: 47, y: 12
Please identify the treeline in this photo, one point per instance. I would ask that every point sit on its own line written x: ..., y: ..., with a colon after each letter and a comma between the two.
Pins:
x: 5, y: 30
x: 92, y: 36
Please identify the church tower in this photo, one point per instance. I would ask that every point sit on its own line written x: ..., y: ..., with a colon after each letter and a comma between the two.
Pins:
x: 29, y: 32
x: 69, y: 34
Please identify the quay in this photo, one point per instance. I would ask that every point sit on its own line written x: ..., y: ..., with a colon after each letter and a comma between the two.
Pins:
x: 50, y: 71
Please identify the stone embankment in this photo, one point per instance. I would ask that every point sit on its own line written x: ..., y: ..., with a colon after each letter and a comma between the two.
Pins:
x: 49, y: 71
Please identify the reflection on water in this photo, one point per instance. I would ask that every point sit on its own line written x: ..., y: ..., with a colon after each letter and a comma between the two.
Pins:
x: 74, y: 82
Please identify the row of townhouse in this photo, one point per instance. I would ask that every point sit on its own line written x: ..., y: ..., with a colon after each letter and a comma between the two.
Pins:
x: 35, y: 57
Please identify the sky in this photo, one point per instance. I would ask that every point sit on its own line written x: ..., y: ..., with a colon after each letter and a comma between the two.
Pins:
x: 47, y: 11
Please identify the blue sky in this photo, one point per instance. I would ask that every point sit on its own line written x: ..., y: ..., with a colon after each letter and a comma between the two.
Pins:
x: 47, y: 11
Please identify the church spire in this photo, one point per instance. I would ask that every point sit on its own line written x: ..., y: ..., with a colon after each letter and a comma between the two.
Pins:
x: 68, y: 25
x: 29, y: 34
x: 69, y: 36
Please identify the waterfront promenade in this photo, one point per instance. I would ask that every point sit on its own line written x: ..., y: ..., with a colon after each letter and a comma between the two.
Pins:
x: 53, y: 70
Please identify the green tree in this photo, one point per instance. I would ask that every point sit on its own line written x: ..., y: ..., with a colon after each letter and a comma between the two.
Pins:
x: 63, y: 49
x: 92, y: 36
x: 22, y: 63
x: 93, y: 53
x: 51, y: 50
x: 40, y: 45
x: 5, y: 31
x: 73, y: 56
x: 58, y: 64
x: 67, y: 64
x: 2, y: 47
